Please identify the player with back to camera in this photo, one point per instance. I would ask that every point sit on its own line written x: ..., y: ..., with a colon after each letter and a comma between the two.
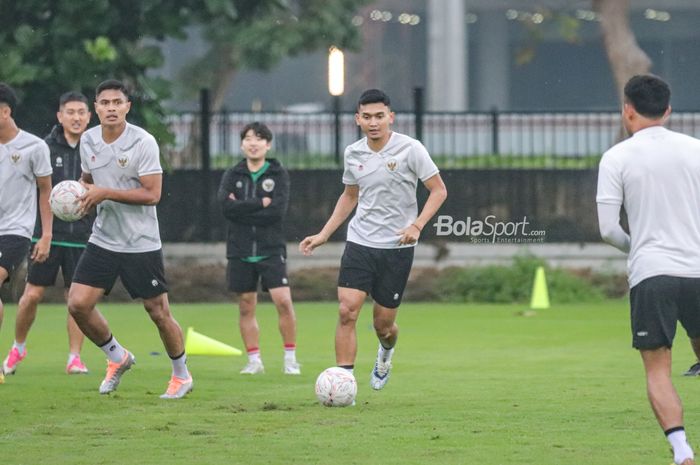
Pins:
x: 254, y: 195
x: 24, y: 166
x: 380, y: 176
x: 122, y: 174
x: 68, y: 239
x: 655, y: 175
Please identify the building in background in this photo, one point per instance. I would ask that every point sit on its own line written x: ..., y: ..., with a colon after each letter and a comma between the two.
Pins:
x: 476, y: 55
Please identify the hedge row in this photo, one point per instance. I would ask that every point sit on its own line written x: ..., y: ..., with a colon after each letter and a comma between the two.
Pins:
x: 497, y: 284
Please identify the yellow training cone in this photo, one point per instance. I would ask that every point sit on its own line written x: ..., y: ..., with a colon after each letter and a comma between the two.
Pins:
x: 540, y: 295
x: 199, y: 344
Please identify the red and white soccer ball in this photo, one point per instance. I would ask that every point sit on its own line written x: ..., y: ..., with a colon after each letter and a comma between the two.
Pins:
x: 336, y: 387
x: 64, y: 200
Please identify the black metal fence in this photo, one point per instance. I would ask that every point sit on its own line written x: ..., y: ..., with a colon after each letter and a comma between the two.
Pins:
x: 454, y: 140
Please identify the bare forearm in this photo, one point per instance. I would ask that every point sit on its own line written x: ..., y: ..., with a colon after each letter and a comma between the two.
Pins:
x: 45, y: 213
x: 432, y: 205
x: 438, y: 194
x: 343, y: 208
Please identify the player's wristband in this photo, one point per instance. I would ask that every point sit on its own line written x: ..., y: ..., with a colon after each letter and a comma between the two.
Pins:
x: 417, y: 227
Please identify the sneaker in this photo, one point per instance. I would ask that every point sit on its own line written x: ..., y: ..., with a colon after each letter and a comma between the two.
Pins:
x: 292, y: 368
x: 2, y: 377
x: 380, y: 373
x: 178, y: 388
x: 9, y: 366
x: 115, y: 372
x: 76, y: 367
x: 693, y: 370
x: 253, y: 368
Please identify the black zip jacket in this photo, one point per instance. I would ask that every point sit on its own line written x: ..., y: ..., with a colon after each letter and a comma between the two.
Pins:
x: 65, y: 161
x: 254, y: 230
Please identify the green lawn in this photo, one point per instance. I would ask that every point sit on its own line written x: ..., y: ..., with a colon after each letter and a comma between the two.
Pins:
x: 472, y: 384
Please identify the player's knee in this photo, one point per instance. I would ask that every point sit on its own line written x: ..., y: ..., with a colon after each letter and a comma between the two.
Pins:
x: 78, y: 306
x: 348, y: 314
x: 158, y: 312
x: 31, y: 296
x: 383, y: 327
x: 285, y: 306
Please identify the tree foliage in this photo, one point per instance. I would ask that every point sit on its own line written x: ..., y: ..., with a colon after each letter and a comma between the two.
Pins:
x: 624, y: 54
x: 257, y: 34
x: 50, y: 47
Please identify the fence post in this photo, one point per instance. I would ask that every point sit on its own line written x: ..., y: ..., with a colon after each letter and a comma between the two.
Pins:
x: 337, y: 129
x: 204, y: 118
x: 225, y: 148
x: 494, y: 131
x: 419, y: 111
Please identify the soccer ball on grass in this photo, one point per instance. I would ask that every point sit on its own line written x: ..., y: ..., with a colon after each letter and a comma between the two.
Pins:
x: 64, y: 200
x: 336, y: 387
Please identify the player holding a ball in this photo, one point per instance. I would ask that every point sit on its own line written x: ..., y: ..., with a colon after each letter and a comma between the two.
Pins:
x: 24, y: 166
x: 68, y: 239
x: 124, y: 179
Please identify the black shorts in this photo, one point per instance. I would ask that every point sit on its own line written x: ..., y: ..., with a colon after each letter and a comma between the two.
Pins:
x: 657, y: 304
x: 13, y: 251
x: 381, y: 273
x: 244, y: 276
x: 44, y: 274
x: 142, y: 274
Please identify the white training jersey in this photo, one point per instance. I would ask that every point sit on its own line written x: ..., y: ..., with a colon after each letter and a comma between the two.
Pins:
x: 655, y: 174
x: 122, y: 227
x: 387, y: 181
x: 22, y: 160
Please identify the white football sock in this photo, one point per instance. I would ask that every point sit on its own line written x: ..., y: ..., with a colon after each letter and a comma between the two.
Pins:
x: 180, y: 367
x: 21, y: 347
x: 385, y: 354
x: 681, y: 448
x: 113, y: 350
x: 290, y: 354
x: 254, y: 357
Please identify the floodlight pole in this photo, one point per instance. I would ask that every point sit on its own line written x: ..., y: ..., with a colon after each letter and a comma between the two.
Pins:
x: 336, y: 87
x: 336, y: 119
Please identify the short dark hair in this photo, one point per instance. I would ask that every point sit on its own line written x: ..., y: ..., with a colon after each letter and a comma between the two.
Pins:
x: 648, y: 94
x: 259, y: 129
x: 72, y: 96
x: 374, y: 96
x: 8, y: 97
x: 112, y: 84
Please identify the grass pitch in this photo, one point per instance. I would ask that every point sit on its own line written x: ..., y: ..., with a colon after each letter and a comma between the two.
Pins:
x: 472, y: 384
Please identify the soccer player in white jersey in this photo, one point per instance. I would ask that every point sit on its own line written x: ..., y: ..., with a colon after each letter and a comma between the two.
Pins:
x: 122, y: 172
x: 24, y: 166
x: 67, y: 241
x: 655, y: 175
x: 380, y: 176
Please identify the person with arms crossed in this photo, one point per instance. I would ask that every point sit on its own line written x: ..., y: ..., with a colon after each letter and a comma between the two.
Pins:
x: 254, y: 195
x: 380, y: 175
x: 123, y: 177
x: 655, y: 175
x: 24, y: 166
x: 68, y: 239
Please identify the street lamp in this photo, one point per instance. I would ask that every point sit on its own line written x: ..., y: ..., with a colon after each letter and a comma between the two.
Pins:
x: 336, y: 87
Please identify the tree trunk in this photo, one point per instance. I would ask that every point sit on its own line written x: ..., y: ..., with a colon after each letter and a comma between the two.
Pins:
x: 624, y: 54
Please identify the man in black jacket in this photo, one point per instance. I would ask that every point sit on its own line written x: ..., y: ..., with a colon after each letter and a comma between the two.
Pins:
x: 254, y: 195
x: 68, y: 241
